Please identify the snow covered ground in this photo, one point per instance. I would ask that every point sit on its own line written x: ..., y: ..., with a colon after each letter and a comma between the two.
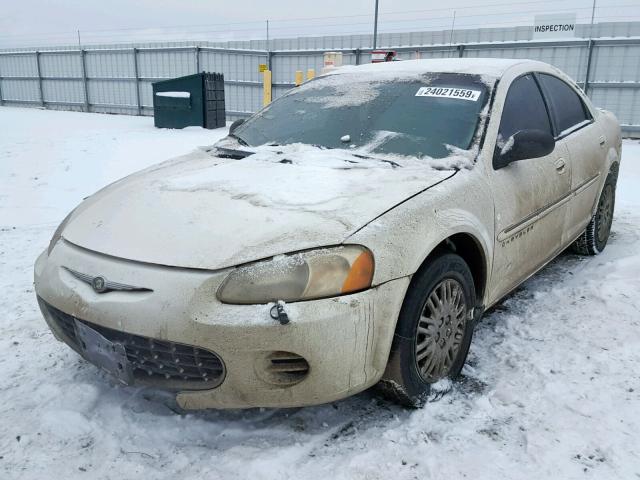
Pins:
x: 552, y: 389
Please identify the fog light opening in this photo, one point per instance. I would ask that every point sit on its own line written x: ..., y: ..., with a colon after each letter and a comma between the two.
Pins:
x: 285, y: 368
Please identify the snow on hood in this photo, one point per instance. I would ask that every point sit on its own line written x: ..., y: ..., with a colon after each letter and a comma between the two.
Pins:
x: 202, y: 211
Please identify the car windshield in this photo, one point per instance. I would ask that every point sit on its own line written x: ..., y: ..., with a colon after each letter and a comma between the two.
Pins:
x: 424, y: 116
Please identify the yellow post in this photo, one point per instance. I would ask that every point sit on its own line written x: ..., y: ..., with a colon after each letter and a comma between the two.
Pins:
x: 266, y: 98
x: 311, y: 73
x: 299, y: 78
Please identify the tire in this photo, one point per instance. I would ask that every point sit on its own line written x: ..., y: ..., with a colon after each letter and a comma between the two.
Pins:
x: 433, y: 346
x: 593, y: 240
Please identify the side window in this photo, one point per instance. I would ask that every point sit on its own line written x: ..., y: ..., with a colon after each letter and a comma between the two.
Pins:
x: 524, y: 109
x: 566, y: 105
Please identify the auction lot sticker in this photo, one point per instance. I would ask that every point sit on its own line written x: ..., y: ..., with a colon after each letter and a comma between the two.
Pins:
x: 449, y: 92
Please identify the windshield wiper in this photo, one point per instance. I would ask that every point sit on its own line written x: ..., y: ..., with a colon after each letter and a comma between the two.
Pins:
x: 223, y: 152
x: 366, y: 157
x: 240, y: 140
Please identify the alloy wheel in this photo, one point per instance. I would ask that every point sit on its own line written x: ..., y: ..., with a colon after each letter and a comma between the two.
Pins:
x: 440, y: 330
x: 605, y: 213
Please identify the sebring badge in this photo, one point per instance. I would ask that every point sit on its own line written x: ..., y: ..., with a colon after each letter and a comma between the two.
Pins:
x: 102, y: 285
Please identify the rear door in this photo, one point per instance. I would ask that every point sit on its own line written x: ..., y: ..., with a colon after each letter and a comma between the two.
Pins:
x: 530, y: 195
x: 574, y: 126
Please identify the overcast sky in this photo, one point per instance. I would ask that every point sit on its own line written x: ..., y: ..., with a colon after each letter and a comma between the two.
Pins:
x: 41, y: 22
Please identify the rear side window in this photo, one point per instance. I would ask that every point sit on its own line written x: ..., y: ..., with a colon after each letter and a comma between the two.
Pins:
x: 524, y: 109
x: 567, y: 107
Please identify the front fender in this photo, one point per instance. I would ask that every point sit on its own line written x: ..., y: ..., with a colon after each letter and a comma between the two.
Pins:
x: 405, y: 236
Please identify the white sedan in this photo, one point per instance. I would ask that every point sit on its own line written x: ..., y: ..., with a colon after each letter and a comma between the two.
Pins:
x: 348, y: 235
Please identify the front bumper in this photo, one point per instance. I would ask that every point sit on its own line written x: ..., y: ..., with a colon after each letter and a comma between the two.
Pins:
x: 344, y: 341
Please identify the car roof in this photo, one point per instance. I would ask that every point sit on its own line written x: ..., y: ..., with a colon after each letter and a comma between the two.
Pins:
x: 494, y: 67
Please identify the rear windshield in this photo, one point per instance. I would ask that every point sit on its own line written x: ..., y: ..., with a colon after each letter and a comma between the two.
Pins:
x: 423, y: 116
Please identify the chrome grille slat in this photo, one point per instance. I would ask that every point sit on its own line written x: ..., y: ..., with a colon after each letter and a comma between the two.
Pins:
x: 159, y: 361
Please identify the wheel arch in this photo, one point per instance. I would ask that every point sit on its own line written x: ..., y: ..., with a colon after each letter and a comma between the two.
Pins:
x: 470, y: 249
x: 612, y: 168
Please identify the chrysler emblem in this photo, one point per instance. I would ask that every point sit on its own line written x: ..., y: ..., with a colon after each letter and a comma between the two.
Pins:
x: 99, y: 284
x: 102, y: 285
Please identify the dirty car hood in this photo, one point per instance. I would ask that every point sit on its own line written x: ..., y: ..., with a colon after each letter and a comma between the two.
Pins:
x: 200, y: 211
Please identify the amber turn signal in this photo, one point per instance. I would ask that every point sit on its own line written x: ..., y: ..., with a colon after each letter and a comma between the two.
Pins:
x: 361, y: 273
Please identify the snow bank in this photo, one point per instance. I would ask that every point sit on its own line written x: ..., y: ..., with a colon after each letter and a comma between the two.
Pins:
x: 51, y: 160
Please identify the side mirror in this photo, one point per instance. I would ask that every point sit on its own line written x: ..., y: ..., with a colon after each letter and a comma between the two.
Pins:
x: 523, y: 145
x: 236, y: 124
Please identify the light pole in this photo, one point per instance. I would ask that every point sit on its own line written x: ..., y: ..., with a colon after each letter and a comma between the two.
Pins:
x: 593, y: 14
x: 375, y: 27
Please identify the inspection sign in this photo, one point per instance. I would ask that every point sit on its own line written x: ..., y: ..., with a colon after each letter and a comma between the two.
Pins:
x: 554, y: 26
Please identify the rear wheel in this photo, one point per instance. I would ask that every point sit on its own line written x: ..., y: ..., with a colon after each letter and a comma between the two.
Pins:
x: 593, y: 240
x: 434, y: 331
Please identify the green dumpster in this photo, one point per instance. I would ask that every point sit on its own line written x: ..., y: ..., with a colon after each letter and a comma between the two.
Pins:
x: 194, y: 100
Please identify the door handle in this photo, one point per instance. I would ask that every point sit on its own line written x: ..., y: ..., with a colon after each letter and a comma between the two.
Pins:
x: 603, y: 140
x: 560, y: 166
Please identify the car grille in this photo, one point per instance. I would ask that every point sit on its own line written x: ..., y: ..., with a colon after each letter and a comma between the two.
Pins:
x: 158, y: 362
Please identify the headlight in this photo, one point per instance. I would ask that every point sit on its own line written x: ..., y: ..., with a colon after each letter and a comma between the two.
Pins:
x: 327, y: 272
x: 58, y: 233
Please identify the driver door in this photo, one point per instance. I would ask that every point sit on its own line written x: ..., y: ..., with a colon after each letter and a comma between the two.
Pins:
x: 531, y: 196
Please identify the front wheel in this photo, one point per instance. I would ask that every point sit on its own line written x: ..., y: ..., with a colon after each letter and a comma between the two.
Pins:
x: 434, y: 331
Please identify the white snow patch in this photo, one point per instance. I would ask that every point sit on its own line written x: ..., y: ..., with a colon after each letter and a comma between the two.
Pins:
x: 459, y: 159
x: 174, y: 94
x: 491, y: 67
x: 442, y: 386
x: 380, y: 138
x: 505, y: 146
x: 300, y: 175
x: 344, y: 94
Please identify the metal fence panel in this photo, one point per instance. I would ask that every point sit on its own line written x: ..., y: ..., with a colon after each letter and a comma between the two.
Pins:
x: 20, y: 90
x: 243, y: 98
x: 570, y: 59
x: 616, y: 63
x: 234, y: 66
x: 19, y: 65
x: 113, y: 92
x: 168, y: 63
x: 117, y: 78
x: 243, y: 88
x: 285, y: 66
x: 431, y: 53
x: 146, y: 94
x: 110, y: 64
x: 63, y: 91
x: 625, y: 102
x: 60, y: 64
